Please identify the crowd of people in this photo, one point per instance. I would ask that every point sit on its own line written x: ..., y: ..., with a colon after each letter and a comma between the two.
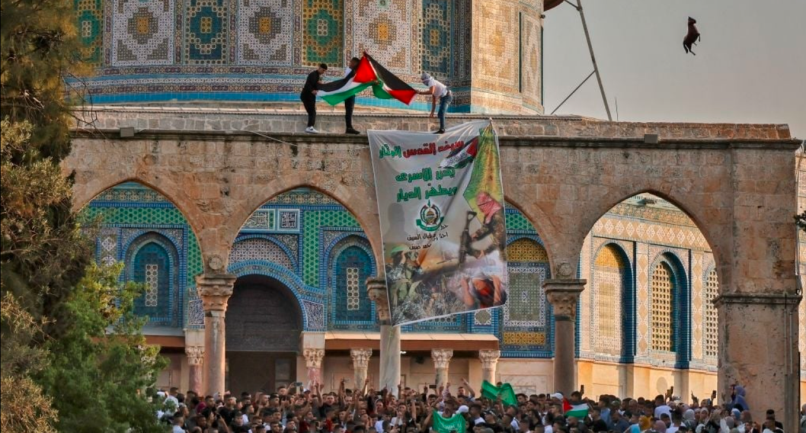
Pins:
x: 449, y: 410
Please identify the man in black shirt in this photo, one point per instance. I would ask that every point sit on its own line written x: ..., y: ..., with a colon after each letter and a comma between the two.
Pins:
x: 308, y: 96
x: 349, y: 103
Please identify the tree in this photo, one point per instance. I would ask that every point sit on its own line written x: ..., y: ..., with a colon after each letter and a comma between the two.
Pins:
x: 61, y: 368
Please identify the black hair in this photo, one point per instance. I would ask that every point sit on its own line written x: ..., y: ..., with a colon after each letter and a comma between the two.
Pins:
x: 323, y: 66
x: 355, y: 59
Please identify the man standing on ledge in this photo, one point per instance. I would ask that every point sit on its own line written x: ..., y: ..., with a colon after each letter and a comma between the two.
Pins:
x: 308, y: 96
x: 349, y: 103
x: 439, y: 91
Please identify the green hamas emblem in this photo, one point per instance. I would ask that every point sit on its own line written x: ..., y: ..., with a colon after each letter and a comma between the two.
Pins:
x: 430, y: 217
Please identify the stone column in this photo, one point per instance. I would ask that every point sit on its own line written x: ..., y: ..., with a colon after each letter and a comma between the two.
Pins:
x: 214, y: 291
x: 195, y: 356
x: 564, y: 296
x: 390, y: 336
x: 442, y: 362
x: 313, y: 362
x: 360, y: 365
x: 489, y: 360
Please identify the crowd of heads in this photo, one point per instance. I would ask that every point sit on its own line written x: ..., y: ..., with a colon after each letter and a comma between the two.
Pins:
x: 296, y: 409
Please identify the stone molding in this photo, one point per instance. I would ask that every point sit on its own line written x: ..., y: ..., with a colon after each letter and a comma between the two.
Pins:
x: 215, y: 290
x: 791, y: 300
x: 360, y: 357
x: 564, y: 295
x: 195, y: 355
x: 489, y: 358
x: 441, y: 358
x: 313, y: 357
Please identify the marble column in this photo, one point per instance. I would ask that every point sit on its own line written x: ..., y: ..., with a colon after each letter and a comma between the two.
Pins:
x: 489, y: 360
x: 313, y: 362
x: 214, y: 291
x: 442, y: 362
x: 390, y: 336
x: 564, y: 297
x: 195, y: 355
x: 360, y: 365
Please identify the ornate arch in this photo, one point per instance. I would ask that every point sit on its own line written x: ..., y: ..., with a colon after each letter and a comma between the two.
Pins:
x: 333, y: 252
x: 624, y: 300
x: 151, y: 303
x: 310, y: 303
x: 681, y: 315
x: 289, y: 255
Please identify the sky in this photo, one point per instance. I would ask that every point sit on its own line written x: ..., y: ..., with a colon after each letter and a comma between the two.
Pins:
x: 750, y: 65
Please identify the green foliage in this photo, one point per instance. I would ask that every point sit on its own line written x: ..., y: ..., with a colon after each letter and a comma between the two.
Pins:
x: 38, y: 48
x: 100, y: 370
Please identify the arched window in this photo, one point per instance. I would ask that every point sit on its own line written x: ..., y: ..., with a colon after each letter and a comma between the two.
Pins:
x: 609, y: 274
x: 710, y: 327
x: 662, y: 307
x: 351, y: 269
x: 524, y: 325
x: 152, y: 267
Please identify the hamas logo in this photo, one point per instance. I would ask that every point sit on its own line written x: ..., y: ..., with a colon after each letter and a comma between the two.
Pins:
x: 430, y: 217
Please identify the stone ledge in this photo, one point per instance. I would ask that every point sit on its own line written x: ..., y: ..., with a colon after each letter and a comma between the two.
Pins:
x: 758, y: 299
x: 505, y: 140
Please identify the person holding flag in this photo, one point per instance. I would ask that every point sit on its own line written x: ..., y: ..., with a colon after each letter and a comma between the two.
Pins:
x: 349, y: 103
x: 308, y: 96
x: 439, y: 91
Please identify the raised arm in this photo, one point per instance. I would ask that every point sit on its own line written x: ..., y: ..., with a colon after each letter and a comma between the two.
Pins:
x: 469, y: 388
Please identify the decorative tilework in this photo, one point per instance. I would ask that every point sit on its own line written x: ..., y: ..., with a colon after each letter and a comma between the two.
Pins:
x: 530, y: 60
x: 312, y: 221
x: 143, y: 32
x: 352, y: 285
x: 261, y: 219
x: 265, y: 32
x: 288, y: 220
x: 316, y: 315
x: 483, y: 318
x: 108, y: 248
x: 662, y: 308
x: 382, y: 29
x: 697, y: 305
x: 526, y: 250
x: 524, y: 338
x: 650, y: 231
x: 323, y: 32
x: 642, y: 296
x: 527, y: 299
x: 608, y: 276
x: 152, y: 284
x: 207, y: 32
x: 89, y: 14
x: 436, y: 37
x: 195, y: 311
x: 260, y: 249
x: 711, y: 319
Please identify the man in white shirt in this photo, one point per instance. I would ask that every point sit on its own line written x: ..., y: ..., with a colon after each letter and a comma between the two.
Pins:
x: 438, y: 91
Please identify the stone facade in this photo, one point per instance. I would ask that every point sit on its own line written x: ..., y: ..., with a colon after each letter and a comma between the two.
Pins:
x: 262, y: 50
x: 236, y: 197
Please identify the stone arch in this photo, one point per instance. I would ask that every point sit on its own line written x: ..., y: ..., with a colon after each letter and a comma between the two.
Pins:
x: 288, y: 279
x: 611, y: 261
x: 595, y: 209
x: 246, y: 247
x: 669, y: 262
x: 153, y: 260
x: 85, y: 193
x: 350, y: 243
x: 353, y: 201
x: 539, y: 221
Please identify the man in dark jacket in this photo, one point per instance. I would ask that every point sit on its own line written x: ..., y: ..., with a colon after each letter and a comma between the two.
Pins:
x: 308, y: 96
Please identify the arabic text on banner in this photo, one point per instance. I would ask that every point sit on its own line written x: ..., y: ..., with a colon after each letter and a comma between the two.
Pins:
x: 441, y: 207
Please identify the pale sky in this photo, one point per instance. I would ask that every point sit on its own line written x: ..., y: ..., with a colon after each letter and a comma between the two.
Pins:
x: 750, y: 66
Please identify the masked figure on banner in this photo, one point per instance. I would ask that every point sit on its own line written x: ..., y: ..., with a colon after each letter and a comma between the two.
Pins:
x: 442, y: 216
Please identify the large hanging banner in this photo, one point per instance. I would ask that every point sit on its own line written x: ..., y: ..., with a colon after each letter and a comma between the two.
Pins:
x: 441, y: 207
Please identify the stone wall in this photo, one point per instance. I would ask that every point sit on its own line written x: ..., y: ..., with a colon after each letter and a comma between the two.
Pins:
x: 562, y: 173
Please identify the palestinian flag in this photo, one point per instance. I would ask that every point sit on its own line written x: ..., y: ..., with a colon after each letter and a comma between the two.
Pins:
x: 460, y: 156
x: 369, y: 73
x: 578, y: 411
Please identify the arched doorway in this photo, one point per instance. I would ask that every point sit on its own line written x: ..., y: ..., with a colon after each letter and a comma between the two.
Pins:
x: 263, y: 326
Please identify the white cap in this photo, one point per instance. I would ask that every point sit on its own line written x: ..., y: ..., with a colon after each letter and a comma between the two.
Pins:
x: 462, y: 409
x: 556, y: 395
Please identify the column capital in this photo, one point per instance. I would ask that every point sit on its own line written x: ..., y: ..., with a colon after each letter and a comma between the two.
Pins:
x: 360, y: 358
x: 489, y: 358
x: 441, y: 357
x: 376, y: 291
x: 214, y: 290
x: 564, y: 295
x: 313, y: 357
x: 195, y: 355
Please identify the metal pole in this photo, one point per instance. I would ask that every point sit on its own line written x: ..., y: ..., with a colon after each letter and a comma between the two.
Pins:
x: 574, y: 91
x: 593, y: 59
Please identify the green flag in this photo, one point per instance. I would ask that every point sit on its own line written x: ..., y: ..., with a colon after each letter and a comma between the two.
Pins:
x: 455, y: 423
x: 490, y: 391
x: 486, y: 175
